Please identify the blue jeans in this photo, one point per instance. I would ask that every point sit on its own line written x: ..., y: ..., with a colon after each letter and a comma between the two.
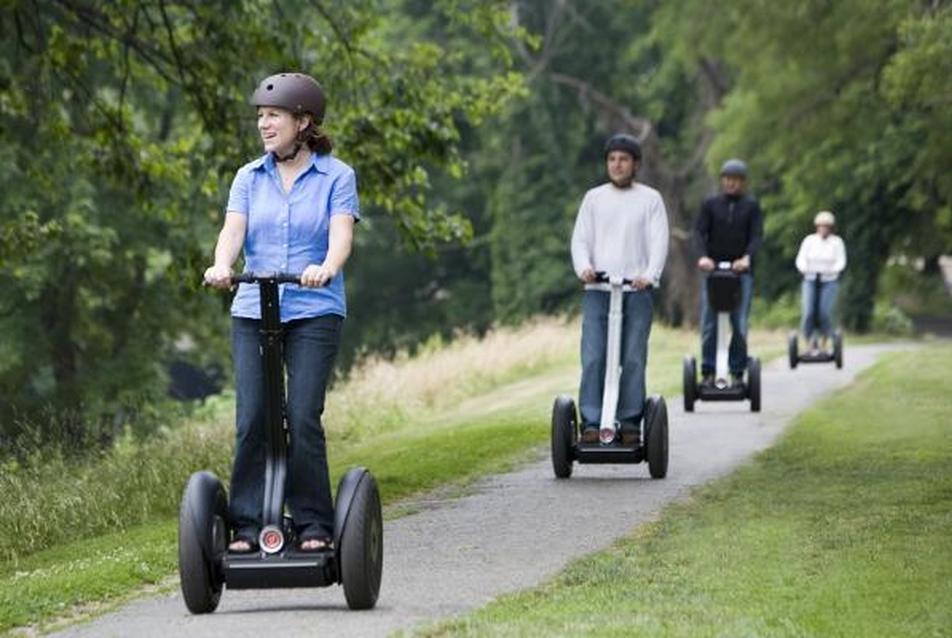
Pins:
x: 636, y: 326
x: 737, y: 354
x: 310, y: 346
x: 828, y: 290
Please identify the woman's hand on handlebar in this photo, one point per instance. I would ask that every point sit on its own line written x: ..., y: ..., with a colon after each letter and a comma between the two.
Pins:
x: 741, y: 265
x: 317, y: 275
x: 706, y: 264
x: 218, y: 276
x: 588, y: 275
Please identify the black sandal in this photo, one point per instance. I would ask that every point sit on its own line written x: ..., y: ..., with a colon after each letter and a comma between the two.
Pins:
x: 325, y: 542
x: 244, y: 536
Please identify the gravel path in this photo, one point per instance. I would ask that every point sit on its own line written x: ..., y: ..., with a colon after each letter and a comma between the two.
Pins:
x: 513, y: 531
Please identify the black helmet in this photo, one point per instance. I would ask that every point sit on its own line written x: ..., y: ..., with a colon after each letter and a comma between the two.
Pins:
x: 624, y: 142
x: 734, y: 168
x: 296, y: 92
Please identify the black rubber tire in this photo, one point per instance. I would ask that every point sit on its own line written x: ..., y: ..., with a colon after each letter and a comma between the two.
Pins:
x: 361, y: 546
x: 689, y: 383
x: 838, y: 349
x: 202, y: 538
x: 656, y: 436
x: 563, y: 435
x: 753, y: 383
x: 792, y: 352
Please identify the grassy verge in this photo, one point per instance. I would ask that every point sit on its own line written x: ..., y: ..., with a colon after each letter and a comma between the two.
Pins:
x: 484, y: 423
x: 842, y: 529
x: 108, y: 567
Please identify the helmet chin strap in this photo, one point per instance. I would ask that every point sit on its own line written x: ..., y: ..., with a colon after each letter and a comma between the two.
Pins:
x: 290, y: 156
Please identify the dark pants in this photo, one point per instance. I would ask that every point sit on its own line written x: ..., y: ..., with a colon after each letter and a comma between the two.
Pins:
x: 636, y: 326
x: 310, y: 346
x: 737, y: 353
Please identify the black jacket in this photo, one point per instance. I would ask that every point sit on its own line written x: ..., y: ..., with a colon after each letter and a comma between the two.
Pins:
x: 728, y: 228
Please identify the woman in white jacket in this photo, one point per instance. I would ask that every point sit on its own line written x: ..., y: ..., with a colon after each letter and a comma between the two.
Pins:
x: 821, y: 259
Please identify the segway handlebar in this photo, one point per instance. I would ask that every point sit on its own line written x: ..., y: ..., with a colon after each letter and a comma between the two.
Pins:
x: 258, y: 277
x: 604, y: 282
x: 601, y: 277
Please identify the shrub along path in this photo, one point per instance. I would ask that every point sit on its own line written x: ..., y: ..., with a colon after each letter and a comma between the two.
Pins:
x: 513, y: 531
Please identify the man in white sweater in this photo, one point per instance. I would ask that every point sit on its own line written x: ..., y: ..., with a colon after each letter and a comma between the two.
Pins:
x: 821, y: 259
x: 622, y: 231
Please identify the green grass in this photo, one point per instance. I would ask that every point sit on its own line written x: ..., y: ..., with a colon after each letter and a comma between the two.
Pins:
x: 448, y: 447
x: 842, y: 529
x: 107, y: 567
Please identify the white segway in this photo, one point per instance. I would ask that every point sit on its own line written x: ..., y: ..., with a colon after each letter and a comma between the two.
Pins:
x: 724, y: 295
x: 815, y: 356
x: 654, y: 440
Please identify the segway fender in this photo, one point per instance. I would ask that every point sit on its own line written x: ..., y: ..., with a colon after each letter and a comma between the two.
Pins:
x: 346, y: 490
x: 202, y: 496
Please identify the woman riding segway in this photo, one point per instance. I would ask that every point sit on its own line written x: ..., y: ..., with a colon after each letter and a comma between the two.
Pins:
x: 291, y: 210
x: 821, y: 259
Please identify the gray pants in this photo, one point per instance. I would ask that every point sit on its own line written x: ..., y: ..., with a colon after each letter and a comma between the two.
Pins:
x: 636, y: 326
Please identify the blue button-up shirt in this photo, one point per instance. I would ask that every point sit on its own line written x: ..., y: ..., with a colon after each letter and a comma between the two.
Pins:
x: 289, y: 231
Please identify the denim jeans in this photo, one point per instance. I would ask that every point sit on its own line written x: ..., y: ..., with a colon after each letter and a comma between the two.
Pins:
x: 737, y: 353
x: 636, y: 326
x: 828, y: 290
x: 310, y: 346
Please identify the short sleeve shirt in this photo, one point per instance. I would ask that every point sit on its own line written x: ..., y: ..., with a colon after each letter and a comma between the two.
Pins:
x: 289, y: 231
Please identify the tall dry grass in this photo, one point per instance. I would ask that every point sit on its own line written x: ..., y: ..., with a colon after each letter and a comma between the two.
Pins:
x: 388, y: 394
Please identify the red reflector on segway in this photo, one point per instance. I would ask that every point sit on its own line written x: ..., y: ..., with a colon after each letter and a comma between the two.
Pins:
x: 271, y: 540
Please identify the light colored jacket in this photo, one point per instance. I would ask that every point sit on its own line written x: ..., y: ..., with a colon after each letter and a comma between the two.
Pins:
x: 823, y: 256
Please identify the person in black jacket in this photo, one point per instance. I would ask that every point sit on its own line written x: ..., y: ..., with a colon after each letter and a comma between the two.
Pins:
x: 730, y: 227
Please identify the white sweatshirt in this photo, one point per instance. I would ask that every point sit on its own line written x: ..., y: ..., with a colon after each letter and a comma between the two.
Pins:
x: 622, y: 232
x: 823, y: 256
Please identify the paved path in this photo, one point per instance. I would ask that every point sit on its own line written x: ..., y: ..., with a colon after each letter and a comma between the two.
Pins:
x: 513, y: 531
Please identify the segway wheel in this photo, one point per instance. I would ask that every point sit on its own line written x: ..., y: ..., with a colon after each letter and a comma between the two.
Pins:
x: 563, y: 436
x: 202, y: 539
x: 656, y: 437
x: 792, y: 352
x: 689, y: 389
x: 361, y: 546
x: 838, y: 348
x: 753, y: 383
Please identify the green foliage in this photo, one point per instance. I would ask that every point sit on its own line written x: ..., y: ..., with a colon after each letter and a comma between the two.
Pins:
x: 594, y: 64
x: 914, y: 292
x: 839, y: 530
x: 122, y: 125
x: 778, y: 314
x: 841, y: 106
x: 891, y: 320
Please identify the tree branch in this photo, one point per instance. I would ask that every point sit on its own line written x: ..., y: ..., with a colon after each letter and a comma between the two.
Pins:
x: 642, y: 127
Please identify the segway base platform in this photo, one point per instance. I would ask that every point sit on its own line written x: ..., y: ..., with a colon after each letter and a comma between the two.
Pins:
x: 284, y: 570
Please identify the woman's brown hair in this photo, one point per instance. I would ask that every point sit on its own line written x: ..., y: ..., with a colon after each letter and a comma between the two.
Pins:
x: 315, y: 137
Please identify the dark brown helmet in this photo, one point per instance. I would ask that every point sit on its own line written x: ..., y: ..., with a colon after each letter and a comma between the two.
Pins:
x: 296, y: 92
